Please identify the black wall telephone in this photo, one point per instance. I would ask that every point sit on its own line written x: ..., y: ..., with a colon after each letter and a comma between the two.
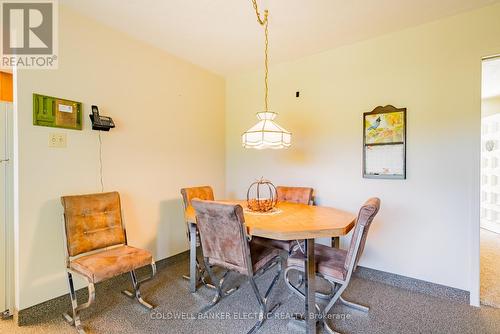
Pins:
x: 101, y: 123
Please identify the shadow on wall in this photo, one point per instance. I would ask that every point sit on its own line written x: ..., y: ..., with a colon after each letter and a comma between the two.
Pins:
x: 171, y: 236
x: 132, y: 222
x: 302, y: 133
x: 47, y: 249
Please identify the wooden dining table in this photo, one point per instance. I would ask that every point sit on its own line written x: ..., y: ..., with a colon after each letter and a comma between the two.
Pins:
x: 289, y: 221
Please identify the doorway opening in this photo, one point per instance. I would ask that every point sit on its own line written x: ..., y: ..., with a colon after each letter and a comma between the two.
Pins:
x: 6, y: 194
x: 490, y: 183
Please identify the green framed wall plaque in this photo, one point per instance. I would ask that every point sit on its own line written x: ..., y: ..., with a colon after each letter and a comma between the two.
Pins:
x: 56, y: 112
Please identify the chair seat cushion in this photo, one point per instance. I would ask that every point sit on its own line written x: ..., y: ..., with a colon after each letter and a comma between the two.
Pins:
x: 261, y: 255
x: 110, y: 263
x: 279, y: 244
x: 329, y: 261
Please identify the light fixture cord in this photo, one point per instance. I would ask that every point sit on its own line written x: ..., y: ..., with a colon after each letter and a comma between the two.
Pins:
x: 100, y: 162
x: 264, y: 23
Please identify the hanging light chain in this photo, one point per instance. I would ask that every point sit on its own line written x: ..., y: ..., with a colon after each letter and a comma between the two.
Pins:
x: 264, y: 22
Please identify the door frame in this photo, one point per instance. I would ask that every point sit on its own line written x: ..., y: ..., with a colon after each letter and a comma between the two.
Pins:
x: 9, y: 235
x: 9, y: 214
x: 475, y: 290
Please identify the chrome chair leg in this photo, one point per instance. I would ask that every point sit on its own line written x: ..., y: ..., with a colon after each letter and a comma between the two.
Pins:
x: 137, y: 284
x: 328, y: 329
x: 218, y: 287
x: 274, y: 281
x: 201, y: 277
x: 292, y: 287
x: 194, y: 265
x: 263, y: 301
x: 262, y: 305
x: 208, y: 285
x: 353, y: 305
x: 336, y: 295
x: 338, y: 290
x: 221, y: 282
x: 75, y: 319
x: 324, y: 296
x: 293, y: 250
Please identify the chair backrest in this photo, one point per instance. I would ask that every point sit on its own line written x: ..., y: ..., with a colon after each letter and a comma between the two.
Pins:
x: 223, y: 235
x: 92, y: 222
x: 203, y: 193
x: 301, y: 195
x: 365, y: 217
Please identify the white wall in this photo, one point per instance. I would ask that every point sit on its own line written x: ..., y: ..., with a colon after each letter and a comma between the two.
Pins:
x: 428, y: 223
x: 170, y: 133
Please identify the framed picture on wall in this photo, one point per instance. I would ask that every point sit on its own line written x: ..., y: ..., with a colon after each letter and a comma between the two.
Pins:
x: 384, y: 143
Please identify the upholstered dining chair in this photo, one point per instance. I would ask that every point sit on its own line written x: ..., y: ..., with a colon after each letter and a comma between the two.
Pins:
x: 299, y: 195
x: 226, y: 244
x: 188, y: 194
x: 97, y: 248
x: 336, y: 265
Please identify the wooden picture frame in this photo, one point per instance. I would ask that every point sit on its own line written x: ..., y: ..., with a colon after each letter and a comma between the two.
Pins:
x: 384, y: 143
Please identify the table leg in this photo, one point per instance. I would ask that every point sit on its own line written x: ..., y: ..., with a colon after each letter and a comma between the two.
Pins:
x: 193, y: 272
x: 310, y: 287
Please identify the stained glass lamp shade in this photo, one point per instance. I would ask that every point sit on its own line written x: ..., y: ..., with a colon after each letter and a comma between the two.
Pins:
x: 266, y: 134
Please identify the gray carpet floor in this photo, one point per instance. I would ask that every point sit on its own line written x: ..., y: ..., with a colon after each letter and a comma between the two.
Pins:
x: 393, y: 310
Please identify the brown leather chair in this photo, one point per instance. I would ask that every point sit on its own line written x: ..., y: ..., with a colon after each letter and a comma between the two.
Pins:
x: 336, y: 265
x: 226, y: 244
x: 188, y: 194
x: 97, y: 249
x: 299, y: 195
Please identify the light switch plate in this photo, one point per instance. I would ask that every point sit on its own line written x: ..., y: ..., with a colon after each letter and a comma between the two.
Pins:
x: 57, y: 140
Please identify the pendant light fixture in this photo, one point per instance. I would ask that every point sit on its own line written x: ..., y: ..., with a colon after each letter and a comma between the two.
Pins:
x: 266, y: 133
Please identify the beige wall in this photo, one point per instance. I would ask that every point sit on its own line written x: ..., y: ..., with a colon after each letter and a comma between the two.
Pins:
x: 169, y: 116
x: 490, y: 106
x: 428, y: 224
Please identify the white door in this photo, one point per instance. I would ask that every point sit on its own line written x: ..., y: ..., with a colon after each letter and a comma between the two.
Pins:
x: 5, y: 203
x: 3, y: 206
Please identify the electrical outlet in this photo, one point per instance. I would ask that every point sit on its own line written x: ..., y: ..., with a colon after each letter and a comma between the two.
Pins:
x: 57, y: 140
